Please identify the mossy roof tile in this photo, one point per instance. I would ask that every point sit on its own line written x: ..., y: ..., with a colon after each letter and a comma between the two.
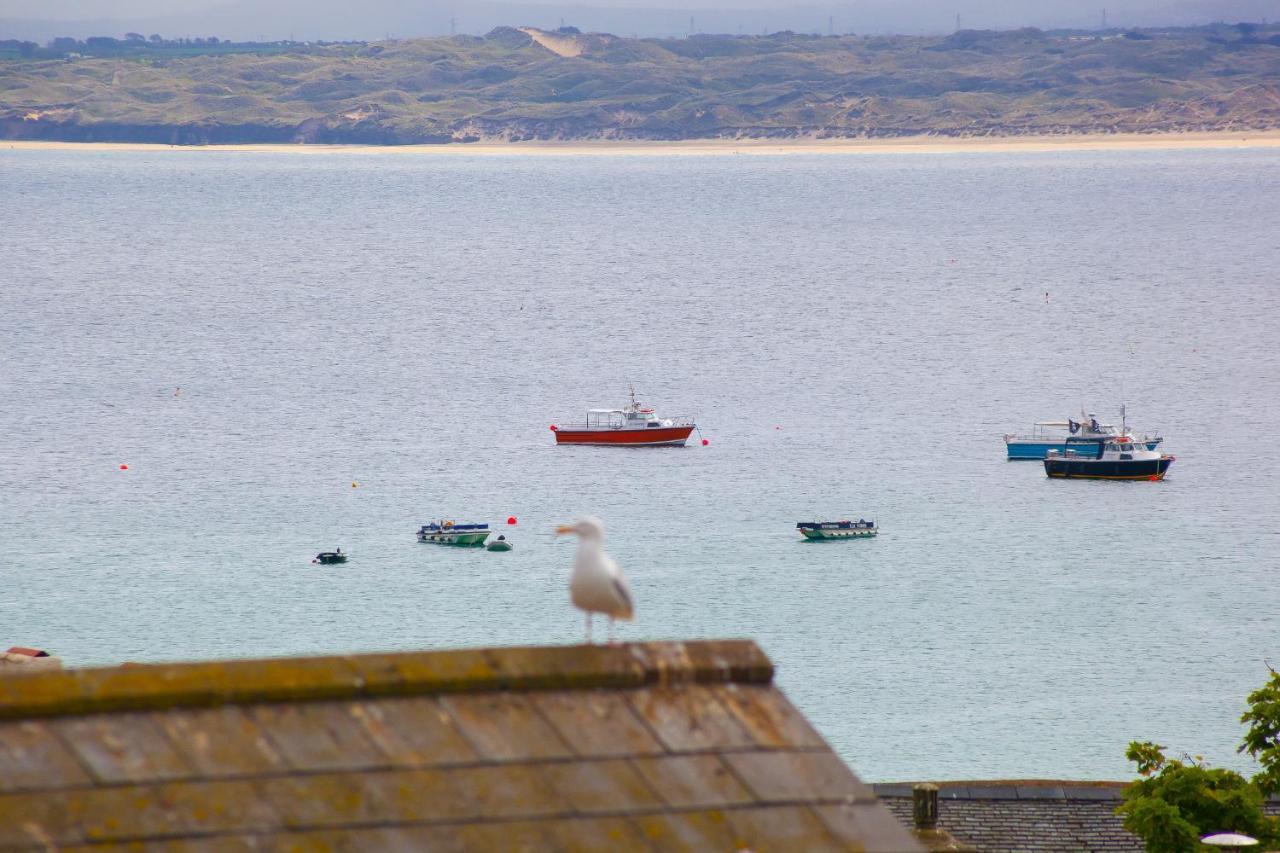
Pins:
x: 142, y: 812
x: 862, y: 825
x: 221, y: 741
x: 596, y: 723
x: 328, y: 799
x: 413, y: 731
x: 693, y: 781
x: 689, y: 718
x: 688, y: 832
x: 589, y: 835
x: 32, y: 759
x: 126, y: 747
x: 318, y: 736
x: 805, y: 776
x: 782, y: 829
x: 767, y: 716
x: 505, y: 726
x: 596, y: 787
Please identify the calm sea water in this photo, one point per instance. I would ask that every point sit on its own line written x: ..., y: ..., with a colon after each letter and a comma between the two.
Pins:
x: 853, y: 334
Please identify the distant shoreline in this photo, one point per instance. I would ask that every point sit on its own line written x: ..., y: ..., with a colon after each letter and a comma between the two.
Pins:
x: 704, y: 147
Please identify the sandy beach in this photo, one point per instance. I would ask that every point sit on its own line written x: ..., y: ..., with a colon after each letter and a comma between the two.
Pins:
x: 707, y: 147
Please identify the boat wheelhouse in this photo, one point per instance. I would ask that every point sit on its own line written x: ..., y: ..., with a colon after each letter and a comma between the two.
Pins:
x: 453, y: 533
x: 631, y: 426
x: 815, y: 530
x: 1052, y: 435
x: 1114, y: 458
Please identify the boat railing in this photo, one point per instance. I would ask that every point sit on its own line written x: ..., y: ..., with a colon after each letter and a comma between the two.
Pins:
x: 600, y: 422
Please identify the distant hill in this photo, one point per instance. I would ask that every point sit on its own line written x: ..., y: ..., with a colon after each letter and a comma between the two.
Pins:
x: 519, y: 84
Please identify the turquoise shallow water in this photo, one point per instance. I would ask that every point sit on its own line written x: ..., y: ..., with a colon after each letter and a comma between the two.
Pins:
x: 853, y: 334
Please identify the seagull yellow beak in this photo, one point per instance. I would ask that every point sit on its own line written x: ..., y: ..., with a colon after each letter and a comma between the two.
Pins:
x: 565, y: 528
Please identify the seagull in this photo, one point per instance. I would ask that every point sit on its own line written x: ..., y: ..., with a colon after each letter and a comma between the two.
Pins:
x: 597, y: 585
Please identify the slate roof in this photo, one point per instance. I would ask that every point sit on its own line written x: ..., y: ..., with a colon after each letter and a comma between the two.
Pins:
x: 1026, y: 816
x: 657, y: 746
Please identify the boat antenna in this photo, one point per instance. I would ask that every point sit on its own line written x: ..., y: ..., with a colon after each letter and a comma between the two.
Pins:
x: 633, y: 393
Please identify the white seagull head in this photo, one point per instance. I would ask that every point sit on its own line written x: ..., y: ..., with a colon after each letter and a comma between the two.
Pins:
x: 587, y: 528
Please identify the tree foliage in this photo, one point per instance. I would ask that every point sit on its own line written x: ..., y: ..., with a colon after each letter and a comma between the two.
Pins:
x: 1262, y: 739
x: 1175, y: 803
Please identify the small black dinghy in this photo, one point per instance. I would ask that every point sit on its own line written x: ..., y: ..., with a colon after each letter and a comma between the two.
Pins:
x: 499, y: 544
x: 329, y: 558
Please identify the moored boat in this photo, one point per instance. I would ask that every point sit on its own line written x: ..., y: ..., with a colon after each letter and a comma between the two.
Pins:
x: 453, y: 533
x: 1115, y: 458
x: 499, y: 544
x: 1052, y: 435
x: 330, y: 558
x: 631, y: 426
x: 815, y: 530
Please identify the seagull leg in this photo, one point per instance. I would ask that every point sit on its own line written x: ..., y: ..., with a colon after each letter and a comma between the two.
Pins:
x: 612, y: 641
x: 588, y: 627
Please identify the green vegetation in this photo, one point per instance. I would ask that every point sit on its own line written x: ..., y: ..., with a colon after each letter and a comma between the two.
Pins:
x: 516, y: 84
x: 1175, y: 803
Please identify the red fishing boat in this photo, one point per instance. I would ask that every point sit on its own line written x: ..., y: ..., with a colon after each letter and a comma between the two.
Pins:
x: 632, y: 426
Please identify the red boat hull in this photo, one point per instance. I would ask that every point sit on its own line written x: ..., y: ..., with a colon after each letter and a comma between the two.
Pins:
x: 651, y: 437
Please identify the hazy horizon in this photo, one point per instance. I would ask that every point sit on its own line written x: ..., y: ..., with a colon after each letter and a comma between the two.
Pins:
x: 334, y: 20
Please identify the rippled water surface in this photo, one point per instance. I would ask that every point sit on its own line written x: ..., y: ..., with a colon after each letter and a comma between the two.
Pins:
x: 853, y: 333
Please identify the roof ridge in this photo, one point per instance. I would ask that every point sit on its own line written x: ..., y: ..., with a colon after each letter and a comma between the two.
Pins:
x: 207, y: 683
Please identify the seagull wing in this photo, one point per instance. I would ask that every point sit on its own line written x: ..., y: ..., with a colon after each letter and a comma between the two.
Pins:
x: 621, y: 589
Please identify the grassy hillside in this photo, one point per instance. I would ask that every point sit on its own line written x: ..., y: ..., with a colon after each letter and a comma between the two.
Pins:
x: 526, y: 84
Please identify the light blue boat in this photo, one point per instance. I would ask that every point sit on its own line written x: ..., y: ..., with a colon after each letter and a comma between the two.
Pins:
x: 1053, y: 435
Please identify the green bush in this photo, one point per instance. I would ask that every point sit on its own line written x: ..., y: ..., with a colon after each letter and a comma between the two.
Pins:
x: 1175, y: 803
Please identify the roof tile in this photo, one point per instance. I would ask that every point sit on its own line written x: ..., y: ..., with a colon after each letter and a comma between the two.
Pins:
x: 31, y: 758
x: 767, y: 715
x: 510, y: 791
x: 126, y: 747
x: 318, y: 736
x: 791, y: 776
x: 688, y: 832
x: 121, y: 814
x: 611, y: 785
x: 864, y: 825
x: 588, y: 835
x: 505, y: 726
x: 782, y: 828
x: 413, y: 731
x: 37, y: 820
x: 513, y: 837
x: 220, y: 741
x: 596, y: 723
x: 689, y: 718
x: 330, y: 799
x: 421, y: 795
x: 693, y: 781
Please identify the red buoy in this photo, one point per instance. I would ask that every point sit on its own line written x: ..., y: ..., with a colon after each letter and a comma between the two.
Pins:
x: 554, y: 428
x: 511, y: 519
x: 124, y: 467
x: 705, y: 442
